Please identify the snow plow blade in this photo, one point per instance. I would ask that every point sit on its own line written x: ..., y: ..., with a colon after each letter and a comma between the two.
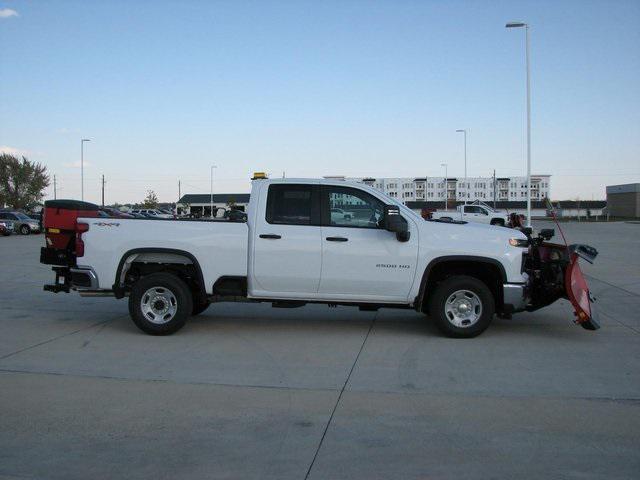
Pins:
x: 584, y: 303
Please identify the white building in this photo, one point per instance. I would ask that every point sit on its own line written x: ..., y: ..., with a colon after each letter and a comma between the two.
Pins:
x: 432, y: 189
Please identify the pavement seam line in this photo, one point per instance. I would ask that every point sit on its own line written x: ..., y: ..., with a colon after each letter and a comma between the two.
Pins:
x: 55, y: 338
x: 620, y: 322
x: 335, y: 407
x: 473, y: 394
x: 612, y: 285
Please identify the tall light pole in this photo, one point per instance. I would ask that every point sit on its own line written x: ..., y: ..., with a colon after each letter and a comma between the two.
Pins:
x: 82, y: 167
x: 446, y: 193
x: 526, y: 30
x: 465, y: 163
x: 211, y: 200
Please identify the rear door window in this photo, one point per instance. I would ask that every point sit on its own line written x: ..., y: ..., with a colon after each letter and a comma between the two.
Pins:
x: 292, y: 204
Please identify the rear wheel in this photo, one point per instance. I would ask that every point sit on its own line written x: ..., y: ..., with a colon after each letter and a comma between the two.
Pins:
x: 462, y: 306
x: 25, y: 230
x: 160, y: 303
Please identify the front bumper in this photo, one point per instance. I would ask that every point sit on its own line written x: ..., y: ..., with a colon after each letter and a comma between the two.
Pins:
x: 514, y: 297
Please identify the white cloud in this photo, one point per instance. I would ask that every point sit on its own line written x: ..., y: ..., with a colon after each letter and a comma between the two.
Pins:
x: 77, y: 164
x: 13, y: 151
x: 7, y: 12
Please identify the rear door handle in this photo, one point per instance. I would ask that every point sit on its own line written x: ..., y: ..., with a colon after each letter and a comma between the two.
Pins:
x: 272, y: 236
x: 337, y: 239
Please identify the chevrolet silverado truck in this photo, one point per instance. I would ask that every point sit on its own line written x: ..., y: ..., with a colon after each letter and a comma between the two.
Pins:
x: 477, y: 212
x: 292, y: 250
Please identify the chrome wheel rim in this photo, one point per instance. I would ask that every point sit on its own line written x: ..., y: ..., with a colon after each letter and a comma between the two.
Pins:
x: 159, y: 305
x: 463, y: 308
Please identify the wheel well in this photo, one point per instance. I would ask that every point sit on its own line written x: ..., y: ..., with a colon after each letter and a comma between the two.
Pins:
x: 497, y: 221
x: 136, y: 264
x: 485, y: 271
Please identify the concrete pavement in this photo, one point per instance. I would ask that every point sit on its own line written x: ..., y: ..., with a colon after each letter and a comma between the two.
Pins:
x: 247, y: 391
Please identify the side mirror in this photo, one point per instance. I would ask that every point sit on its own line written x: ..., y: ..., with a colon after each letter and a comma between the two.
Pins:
x: 393, y: 222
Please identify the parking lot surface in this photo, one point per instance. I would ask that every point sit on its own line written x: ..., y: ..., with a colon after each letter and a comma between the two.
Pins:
x: 247, y: 391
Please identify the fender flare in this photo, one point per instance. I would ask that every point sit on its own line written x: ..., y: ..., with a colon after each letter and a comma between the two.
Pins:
x: 117, y: 286
x: 454, y: 258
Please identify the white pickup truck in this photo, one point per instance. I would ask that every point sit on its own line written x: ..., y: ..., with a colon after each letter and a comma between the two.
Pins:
x: 477, y: 212
x: 293, y: 249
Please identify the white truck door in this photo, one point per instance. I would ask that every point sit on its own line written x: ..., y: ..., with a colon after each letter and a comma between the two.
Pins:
x: 286, y: 244
x: 483, y: 215
x: 360, y: 260
x: 469, y: 213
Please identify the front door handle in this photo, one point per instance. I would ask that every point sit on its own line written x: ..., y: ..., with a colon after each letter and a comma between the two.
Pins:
x: 337, y: 239
x: 272, y: 236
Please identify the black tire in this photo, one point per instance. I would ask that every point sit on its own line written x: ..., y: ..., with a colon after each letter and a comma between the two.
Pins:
x: 167, y: 285
x: 199, y: 307
x: 445, y: 320
x: 25, y: 230
x: 447, y: 219
x: 499, y: 223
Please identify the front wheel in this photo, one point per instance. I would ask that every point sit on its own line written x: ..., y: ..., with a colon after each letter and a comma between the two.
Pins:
x: 160, y: 303
x: 25, y: 230
x: 462, y: 306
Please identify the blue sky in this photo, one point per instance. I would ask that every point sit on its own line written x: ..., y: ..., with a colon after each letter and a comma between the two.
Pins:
x: 165, y: 89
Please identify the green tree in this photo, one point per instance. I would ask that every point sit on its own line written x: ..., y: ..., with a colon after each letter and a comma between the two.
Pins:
x: 22, y: 182
x: 151, y: 200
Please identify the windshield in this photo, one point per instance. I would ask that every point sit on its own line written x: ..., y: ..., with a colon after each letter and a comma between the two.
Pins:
x: 22, y: 216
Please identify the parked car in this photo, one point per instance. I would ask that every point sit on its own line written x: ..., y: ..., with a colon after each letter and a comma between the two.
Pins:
x: 166, y: 212
x: 22, y: 223
x: 234, y: 215
x: 477, y: 212
x: 115, y: 213
x: 290, y: 253
x: 152, y: 213
x: 6, y: 228
x: 36, y: 216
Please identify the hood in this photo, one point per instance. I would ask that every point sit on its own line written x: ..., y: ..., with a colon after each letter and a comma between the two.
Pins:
x: 472, y: 229
x: 471, y: 239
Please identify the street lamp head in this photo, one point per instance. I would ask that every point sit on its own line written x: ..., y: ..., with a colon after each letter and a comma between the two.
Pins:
x: 461, y: 131
x: 516, y: 25
x: 443, y: 164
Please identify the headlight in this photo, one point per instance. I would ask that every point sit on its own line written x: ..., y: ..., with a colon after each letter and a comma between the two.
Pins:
x: 519, y: 242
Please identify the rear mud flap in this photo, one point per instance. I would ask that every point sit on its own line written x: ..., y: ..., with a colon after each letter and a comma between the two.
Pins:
x: 577, y: 290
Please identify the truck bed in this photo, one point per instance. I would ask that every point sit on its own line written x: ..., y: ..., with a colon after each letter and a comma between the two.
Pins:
x: 219, y: 247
